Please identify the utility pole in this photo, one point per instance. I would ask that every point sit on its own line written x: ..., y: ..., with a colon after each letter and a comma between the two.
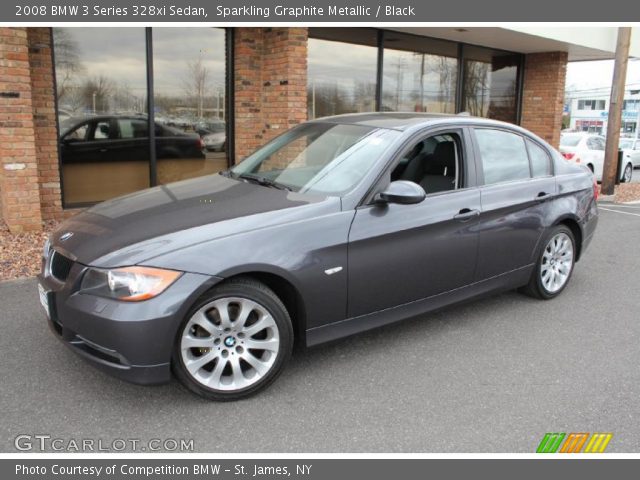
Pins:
x: 615, y: 111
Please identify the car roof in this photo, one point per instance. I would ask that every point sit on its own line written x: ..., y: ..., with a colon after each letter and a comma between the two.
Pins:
x: 405, y: 120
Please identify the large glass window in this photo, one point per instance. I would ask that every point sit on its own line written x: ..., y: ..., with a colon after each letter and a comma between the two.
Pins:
x: 189, y: 95
x: 490, y: 83
x: 342, y: 66
x: 100, y: 78
x: 420, y: 75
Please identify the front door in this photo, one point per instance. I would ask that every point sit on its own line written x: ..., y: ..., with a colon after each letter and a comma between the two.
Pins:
x: 403, y: 253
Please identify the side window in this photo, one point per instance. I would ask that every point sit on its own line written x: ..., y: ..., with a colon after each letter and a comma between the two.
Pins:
x: 600, y: 144
x: 79, y: 133
x: 540, y: 160
x: 132, y: 128
x: 101, y: 130
x: 433, y: 163
x: 504, y: 156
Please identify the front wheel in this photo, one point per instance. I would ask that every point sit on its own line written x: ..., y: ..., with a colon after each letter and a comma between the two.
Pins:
x: 628, y: 173
x: 234, y: 342
x: 554, y: 266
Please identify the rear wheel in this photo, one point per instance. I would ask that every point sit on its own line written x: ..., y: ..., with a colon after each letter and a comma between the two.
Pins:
x: 234, y: 342
x: 555, y: 264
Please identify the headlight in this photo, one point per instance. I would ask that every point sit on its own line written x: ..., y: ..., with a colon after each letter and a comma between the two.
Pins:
x: 130, y: 284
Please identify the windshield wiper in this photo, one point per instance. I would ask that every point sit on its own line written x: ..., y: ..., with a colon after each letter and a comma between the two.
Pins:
x: 265, y: 182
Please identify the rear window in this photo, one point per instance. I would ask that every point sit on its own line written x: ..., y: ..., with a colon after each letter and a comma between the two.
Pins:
x: 540, y: 160
x: 570, y: 140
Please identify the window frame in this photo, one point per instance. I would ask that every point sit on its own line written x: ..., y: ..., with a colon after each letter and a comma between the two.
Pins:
x: 552, y: 171
x: 480, y: 167
x: 467, y: 163
x: 229, y: 86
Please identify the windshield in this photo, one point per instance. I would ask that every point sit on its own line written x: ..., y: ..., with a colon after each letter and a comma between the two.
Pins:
x: 570, y: 140
x: 322, y: 158
x: 625, y: 144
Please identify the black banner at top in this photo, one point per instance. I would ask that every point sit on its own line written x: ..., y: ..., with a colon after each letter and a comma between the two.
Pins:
x: 347, y: 11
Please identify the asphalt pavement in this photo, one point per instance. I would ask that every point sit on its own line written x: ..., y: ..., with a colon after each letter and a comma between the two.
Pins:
x: 490, y: 376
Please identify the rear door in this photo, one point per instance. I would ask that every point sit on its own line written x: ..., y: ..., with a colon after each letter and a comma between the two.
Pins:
x: 403, y: 253
x: 517, y: 180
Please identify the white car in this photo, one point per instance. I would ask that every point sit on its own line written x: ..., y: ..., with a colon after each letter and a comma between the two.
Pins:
x: 631, y: 149
x: 588, y: 149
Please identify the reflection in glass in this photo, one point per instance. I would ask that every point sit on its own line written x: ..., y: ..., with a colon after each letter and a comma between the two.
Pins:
x: 189, y: 95
x: 490, y: 83
x: 100, y: 78
x: 341, y: 77
x: 419, y: 74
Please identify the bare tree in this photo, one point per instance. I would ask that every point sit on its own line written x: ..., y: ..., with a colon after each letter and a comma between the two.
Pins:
x: 68, y: 63
x: 476, y: 87
x: 95, y: 93
x: 196, y: 83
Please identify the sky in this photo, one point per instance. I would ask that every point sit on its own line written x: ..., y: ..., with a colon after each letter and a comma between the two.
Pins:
x: 587, y: 78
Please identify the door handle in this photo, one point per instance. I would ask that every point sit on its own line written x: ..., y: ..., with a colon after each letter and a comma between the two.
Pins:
x: 466, y: 214
x: 542, y: 196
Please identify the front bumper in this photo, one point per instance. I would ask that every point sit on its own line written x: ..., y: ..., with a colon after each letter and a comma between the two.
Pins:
x: 130, y: 340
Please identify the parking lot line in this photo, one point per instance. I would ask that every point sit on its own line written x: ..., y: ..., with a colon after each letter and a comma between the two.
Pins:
x: 618, y: 211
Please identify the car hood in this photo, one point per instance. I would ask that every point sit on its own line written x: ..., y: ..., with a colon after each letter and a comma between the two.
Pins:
x: 131, y: 229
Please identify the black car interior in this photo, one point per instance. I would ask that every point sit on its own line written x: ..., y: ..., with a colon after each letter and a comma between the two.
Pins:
x: 431, y: 163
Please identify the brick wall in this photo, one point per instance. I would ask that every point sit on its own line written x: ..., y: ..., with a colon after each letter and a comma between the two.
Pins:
x: 543, y: 94
x: 44, y: 119
x: 19, y: 180
x: 270, y: 84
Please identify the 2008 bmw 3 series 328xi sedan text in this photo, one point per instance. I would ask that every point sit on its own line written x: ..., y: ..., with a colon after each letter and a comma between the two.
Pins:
x: 339, y: 225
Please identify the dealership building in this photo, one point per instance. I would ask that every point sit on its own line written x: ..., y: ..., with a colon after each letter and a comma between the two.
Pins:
x: 77, y: 102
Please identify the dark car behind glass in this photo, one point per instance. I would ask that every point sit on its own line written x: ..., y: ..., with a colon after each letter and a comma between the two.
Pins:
x: 122, y: 138
x: 339, y: 225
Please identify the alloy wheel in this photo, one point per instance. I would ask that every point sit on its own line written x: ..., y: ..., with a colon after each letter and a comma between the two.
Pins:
x: 230, y: 343
x: 557, y: 262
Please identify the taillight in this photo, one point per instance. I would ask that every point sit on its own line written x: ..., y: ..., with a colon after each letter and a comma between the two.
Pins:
x: 596, y: 190
x: 568, y: 155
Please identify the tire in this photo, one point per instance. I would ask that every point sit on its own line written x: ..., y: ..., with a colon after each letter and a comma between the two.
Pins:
x: 211, y: 355
x: 542, y: 283
x: 627, y: 174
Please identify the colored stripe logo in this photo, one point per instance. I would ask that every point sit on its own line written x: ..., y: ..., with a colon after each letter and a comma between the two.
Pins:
x: 574, y: 442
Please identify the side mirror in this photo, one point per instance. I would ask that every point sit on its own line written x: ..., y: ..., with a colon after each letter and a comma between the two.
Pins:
x: 402, y: 192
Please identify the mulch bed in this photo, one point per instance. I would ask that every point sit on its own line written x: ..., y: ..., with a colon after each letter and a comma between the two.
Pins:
x: 628, y: 192
x: 20, y: 254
